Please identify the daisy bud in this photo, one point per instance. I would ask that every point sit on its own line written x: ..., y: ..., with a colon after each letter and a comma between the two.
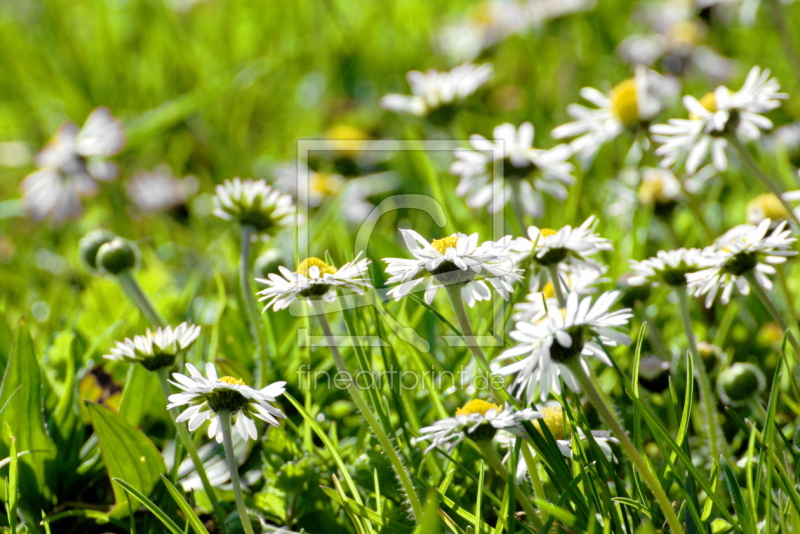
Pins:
x: 91, y: 243
x: 740, y: 382
x: 117, y: 256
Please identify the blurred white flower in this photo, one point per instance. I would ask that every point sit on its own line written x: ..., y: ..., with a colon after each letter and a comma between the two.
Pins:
x: 714, y: 118
x: 438, y: 94
x: 526, y: 171
x: 314, y: 279
x: 453, y: 260
x: 253, y: 203
x: 208, y: 395
x: 158, y: 349
x: 630, y: 105
x: 669, y: 267
x: 159, y: 190
x: 71, y: 165
x: 580, y: 329
x: 478, y: 420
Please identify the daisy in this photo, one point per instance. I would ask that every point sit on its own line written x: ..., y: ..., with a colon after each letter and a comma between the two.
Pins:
x: 208, y: 395
x: 313, y: 280
x: 630, y: 105
x: 669, y: 267
x: 769, y: 206
x: 567, y: 246
x: 525, y: 170
x: 582, y: 328
x: 438, y: 95
x: 71, y: 165
x: 158, y: 349
x: 578, y: 279
x: 253, y: 203
x: 716, y: 117
x: 453, y: 260
x: 159, y: 190
x: 742, y: 251
x: 478, y: 420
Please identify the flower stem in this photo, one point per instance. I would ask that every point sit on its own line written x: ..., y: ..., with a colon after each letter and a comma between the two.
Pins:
x: 707, y: 396
x: 607, y: 413
x: 188, y: 443
x: 454, y: 292
x: 556, y: 281
x: 533, y: 472
x: 139, y: 298
x: 254, y: 318
x: 225, y: 420
x: 776, y: 315
x: 366, y: 411
x: 494, y: 460
x: 751, y: 164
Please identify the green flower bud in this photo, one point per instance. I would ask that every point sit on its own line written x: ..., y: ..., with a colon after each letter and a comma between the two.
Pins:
x: 117, y: 256
x: 91, y: 243
x: 740, y: 382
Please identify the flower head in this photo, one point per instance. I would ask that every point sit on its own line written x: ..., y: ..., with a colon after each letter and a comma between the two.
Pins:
x: 769, y: 206
x: 71, y: 165
x: 527, y: 171
x: 579, y: 279
x: 314, y: 279
x: 453, y: 260
x: 208, y: 395
x: 253, y: 203
x: 478, y: 420
x: 746, y: 249
x: 628, y: 106
x: 568, y: 245
x: 716, y: 117
x: 546, y: 344
x: 158, y: 349
x: 438, y: 95
x: 159, y: 190
x: 669, y: 267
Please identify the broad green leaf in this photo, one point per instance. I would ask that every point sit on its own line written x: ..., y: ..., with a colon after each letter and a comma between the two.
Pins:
x: 128, y: 454
x: 12, y: 490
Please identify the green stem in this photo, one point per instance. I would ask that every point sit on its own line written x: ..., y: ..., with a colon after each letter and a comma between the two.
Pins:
x: 519, y: 210
x: 776, y: 315
x: 533, y: 471
x: 751, y: 164
x: 454, y: 292
x: 255, y: 321
x: 556, y: 281
x: 225, y: 420
x: 134, y: 291
x: 366, y: 411
x: 606, y: 412
x: 186, y: 440
x: 494, y: 460
x: 787, y: 293
x: 707, y: 396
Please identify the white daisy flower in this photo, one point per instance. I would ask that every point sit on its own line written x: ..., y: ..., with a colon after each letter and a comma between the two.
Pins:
x: 578, y: 279
x: 478, y: 420
x: 159, y: 190
x: 314, y: 279
x: 458, y: 260
x: 582, y: 328
x: 71, y: 165
x: 769, y: 206
x: 253, y: 203
x: 208, y: 395
x: 438, y: 95
x: 630, y: 105
x: 669, y: 267
x: 746, y: 249
x: 158, y: 349
x: 567, y: 246
x: 526, y: 171
x: 714, y: 118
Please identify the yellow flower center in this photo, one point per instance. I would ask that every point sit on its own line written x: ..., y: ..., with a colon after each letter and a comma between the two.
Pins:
x: 766, y: 206
x: 709, y: 101
x: 232, y: 381
x: 307, y: 264
x: 549, y: 291
x: 546, y: 232
x: 554, y: 420
x: 477, y: 406
x: 441, y: 245
x: 346, y: 138
x: 325, y: 184
x: 686, y: 32
x: 624, y: 104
